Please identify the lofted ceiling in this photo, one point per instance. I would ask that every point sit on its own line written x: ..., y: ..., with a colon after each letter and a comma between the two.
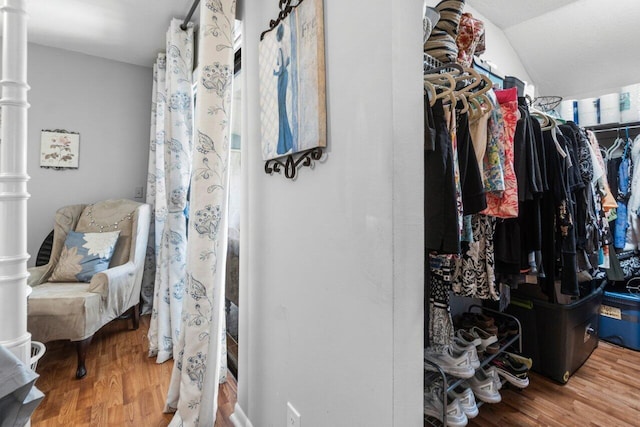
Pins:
x: 571, y: 48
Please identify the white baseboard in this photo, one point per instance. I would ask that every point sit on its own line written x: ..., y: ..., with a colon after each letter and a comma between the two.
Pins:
x: 239, y: 418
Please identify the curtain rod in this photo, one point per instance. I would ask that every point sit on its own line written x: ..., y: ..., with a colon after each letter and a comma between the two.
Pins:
x: 189, y: 15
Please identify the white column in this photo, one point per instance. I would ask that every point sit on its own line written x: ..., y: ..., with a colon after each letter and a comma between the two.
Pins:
x: 13, y: 181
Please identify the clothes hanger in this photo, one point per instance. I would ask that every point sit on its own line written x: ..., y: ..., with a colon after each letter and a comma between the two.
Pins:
x: 488, y: 85
x: 554, y: 135
x: 443, y: 85
x: 465, y: 103
x: 615, y: 146
x: 549, y: 123
x: 544, y: 119
x: 469, y: 75
x: 474, y: 109
x: 449, y: 67
x: 441, y: 79
x: 430, y: 92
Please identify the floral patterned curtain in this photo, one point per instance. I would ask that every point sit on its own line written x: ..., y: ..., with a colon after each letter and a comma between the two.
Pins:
x: 170, y: 163
x: 155, y: 182
x: 200, y: 362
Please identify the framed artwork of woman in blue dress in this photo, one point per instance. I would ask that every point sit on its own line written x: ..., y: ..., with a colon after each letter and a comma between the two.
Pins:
x: 292, y: 83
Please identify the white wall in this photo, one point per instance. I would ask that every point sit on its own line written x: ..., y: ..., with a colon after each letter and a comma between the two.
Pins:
x: 499, y: 50
x: 109, y: 104
x: 332, y: 292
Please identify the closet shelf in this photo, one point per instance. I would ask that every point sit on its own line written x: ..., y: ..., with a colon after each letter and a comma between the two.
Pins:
x: 612, y: 127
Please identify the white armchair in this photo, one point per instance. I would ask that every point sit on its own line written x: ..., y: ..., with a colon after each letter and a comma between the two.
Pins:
x: 73, y: 310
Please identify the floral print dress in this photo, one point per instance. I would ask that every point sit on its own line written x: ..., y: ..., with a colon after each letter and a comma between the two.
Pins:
x: 503, y: 204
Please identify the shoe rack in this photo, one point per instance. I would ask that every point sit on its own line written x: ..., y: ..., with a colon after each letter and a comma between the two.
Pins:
x: 449, y: 382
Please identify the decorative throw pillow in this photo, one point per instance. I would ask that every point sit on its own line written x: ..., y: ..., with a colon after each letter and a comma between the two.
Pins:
x: 442, y: 42
x: 83, y: 255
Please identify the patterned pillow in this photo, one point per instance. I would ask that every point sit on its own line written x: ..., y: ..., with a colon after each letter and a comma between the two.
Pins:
x: 83, y: 255
x: 442, y: 42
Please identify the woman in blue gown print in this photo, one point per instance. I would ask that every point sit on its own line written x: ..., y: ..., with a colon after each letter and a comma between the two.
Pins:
x: 285, y: 138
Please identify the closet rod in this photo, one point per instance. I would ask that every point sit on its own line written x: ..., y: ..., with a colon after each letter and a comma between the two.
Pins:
x: 189, y: 15
x: 615, y: 129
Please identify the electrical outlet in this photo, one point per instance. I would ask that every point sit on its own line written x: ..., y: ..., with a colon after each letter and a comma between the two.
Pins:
x: 139, y: 192
x: 293, y: 416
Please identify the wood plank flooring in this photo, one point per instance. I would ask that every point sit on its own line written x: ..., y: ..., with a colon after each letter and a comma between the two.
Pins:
x: 604, y: 392
x: 123, y: 386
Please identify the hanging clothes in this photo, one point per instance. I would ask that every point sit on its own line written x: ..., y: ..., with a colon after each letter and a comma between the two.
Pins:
x: 440, y: 322
x: 472, y: 188
x: 441, y: 215
x: 558, y: 235
x: 474, y: 274
x: 474, y: 270
x: 621, y: 224
x: 502, y: 199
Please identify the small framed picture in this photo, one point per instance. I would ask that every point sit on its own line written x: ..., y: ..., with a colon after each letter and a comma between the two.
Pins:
x: 59, y: 149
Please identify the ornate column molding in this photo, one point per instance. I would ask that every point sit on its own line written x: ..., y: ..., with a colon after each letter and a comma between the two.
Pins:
x: 13, y: 180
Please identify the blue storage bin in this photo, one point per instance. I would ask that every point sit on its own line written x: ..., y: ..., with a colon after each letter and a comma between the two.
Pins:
x: 620, y: 319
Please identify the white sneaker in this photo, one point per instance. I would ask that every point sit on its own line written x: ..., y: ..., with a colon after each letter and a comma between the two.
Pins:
x: 485, y: 387
x: 511, y: 370
x: 453, y: 362
x: 467, y: 400
x: 488, y: 342
x: 433, y: 407
x: 493, y: 372
x: 462, y: 345
x: 467, y: 337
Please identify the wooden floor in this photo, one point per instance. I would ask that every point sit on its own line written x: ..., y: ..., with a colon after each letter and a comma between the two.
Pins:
x: 605, y: 392
x: 123, y: 386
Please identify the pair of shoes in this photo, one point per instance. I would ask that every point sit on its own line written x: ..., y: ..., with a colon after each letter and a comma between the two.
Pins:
x: 432, y: 405
x: 468, y: 338
x: 507, y: 327
x: 469, y: 320
x: 488, y: 341
x: 512, y: 370
x: 467, y: 400
x: 485, y: 385
x: 452, y: 361
x: 526, y: 361
x: 462, y: 345
x: 492, y: 372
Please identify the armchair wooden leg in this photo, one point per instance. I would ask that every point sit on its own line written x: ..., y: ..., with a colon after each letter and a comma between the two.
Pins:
x: 136, y: 316
x: 82, y: 347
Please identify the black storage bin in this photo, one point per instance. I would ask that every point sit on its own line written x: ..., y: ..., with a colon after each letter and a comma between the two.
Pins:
x: 511, y: 81
x: 558, y: 338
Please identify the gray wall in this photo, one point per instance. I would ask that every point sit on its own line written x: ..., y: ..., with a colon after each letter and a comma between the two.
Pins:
x: 331, y: 305
x: 109, y: 104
